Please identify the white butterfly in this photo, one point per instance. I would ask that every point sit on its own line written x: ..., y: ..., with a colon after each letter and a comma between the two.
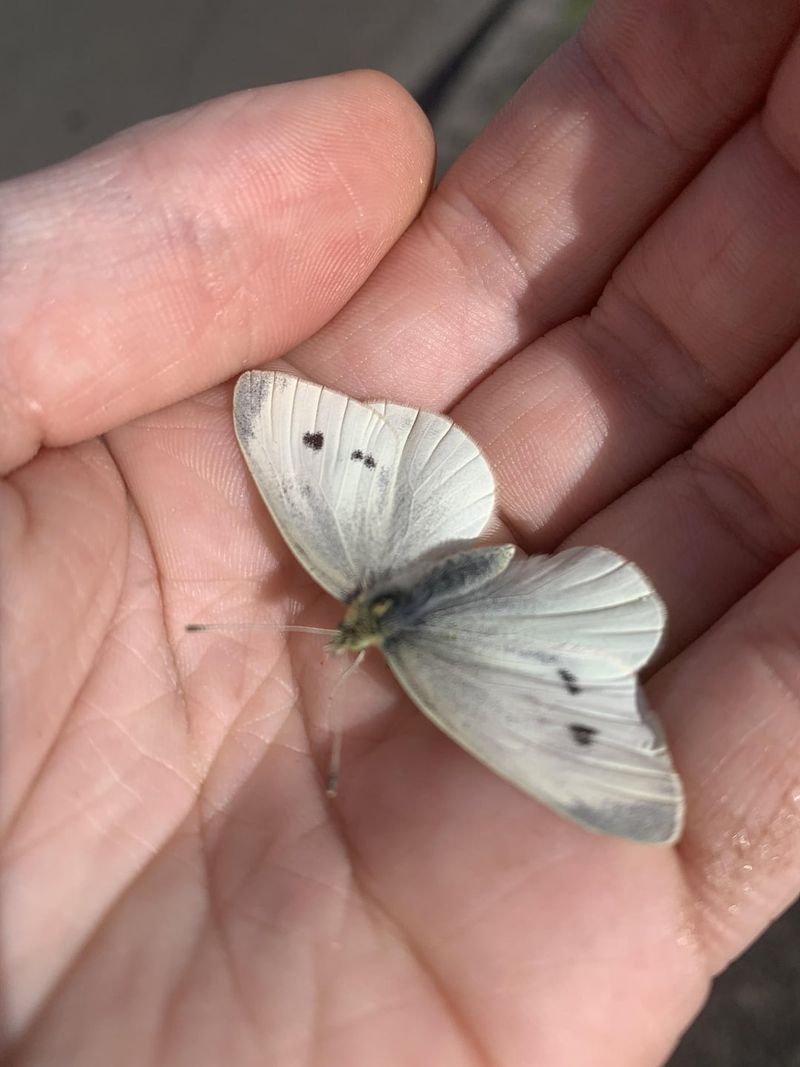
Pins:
x: 529, y: 664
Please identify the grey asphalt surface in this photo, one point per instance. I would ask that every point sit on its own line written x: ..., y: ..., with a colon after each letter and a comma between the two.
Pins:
x: 73, y: 73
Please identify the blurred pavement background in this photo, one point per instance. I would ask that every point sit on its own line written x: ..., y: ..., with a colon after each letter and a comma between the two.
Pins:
x: 73, y: 73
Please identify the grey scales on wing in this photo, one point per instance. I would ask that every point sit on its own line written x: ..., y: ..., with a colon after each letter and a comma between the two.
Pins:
x: 383, y: 612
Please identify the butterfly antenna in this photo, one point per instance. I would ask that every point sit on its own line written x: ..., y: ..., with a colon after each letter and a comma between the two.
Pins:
x: 335, y: 763
x: 203, y: 627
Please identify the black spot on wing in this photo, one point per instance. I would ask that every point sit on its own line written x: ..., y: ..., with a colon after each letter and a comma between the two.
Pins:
x: 358, y: 456
x: 314, y: 441
x: 582, y: 735
x: 570, y: 682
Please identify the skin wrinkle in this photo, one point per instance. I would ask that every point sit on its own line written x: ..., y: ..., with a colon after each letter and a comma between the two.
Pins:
x: 651, y: 118
x: 491, y: 902
x: 218, y: 924
x: 96, y: 934
x: 462, y: 251
x: 206, y: 811
x: 616, y: 80
x: 363, y: 254
x: 163, y: 598
x: 256, y: 697
x: 172, y: 1006
x: 157, y: 373
x: 302, y: 876
x: 35, y: 779
x: 509, y: 525
x: 501, y: 182
x: 115, y: 776
x: 766, y: 654
x: 742, y: 739
x: 515, y: 174
x: 774, y: 128
x: 146, y: 755
x: 370, y: 902
x: 214, y: 926
x: 424, y: 965
x: 249, y: 729
x: 706, y: 472
x: 84, y: 809
x: 283, y: 931
x: 202, y: 808
x: 405, y: 999
x: 12, y: 852
x: 48, y: 648
x: 154, y: 671
x: 630, y: 374
x: 13, y: 401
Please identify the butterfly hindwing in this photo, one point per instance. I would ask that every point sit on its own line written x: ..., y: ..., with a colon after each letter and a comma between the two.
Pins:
x: 535, y: 676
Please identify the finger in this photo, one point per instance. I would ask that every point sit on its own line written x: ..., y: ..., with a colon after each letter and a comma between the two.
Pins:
x: 525, y: 229
x: 730, y: 705
x: 187, y: 248
x: 713, y: 522
x: 695, y: 314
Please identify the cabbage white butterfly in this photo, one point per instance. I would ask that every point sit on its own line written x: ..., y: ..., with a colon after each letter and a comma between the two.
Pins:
x: 528, y: 663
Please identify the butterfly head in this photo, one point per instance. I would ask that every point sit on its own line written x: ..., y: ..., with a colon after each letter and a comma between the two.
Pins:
x: 364, y: 624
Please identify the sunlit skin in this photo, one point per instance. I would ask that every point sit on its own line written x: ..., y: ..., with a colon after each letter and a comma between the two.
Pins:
x: 604, y: 293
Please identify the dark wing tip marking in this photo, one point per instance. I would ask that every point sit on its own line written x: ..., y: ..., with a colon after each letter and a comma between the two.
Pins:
x: 357, y: 454
x: 570, y: 682
x: 369, y: 462
x: 314, y: 441
x: 250, y: 395
x: 582, y: 735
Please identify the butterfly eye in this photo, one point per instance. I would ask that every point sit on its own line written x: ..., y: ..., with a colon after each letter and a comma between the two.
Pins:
x: 379, y: 607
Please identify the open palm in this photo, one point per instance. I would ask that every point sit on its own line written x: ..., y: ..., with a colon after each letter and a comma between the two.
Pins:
x: 176, y: 887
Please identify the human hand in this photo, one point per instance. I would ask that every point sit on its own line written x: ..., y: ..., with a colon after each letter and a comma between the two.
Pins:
x: 176, y: 886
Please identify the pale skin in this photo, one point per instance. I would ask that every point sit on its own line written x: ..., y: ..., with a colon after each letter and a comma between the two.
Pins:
x: 176, y: 886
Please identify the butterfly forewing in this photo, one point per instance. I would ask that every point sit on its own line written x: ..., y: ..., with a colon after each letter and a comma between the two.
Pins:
x: 358, y: 490
x: 444, y: 491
